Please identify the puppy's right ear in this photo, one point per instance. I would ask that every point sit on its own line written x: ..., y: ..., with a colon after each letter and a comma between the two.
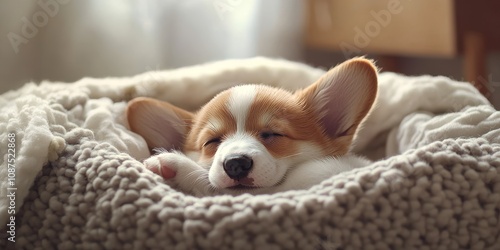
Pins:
x: 161, y: 124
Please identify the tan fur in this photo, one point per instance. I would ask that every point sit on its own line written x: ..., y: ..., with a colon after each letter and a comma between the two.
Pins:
x: 136, y: 110
x: 200, y: 133
x: 364, y: 68
x: 286, y: 117
x: 311, y: 134
x: 289, y: 114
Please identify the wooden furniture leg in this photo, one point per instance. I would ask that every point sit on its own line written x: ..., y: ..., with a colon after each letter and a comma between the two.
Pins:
x: 475, y: 62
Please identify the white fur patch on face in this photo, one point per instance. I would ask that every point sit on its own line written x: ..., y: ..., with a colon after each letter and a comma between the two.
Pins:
x: 266, y: 171
x: 240, y: 100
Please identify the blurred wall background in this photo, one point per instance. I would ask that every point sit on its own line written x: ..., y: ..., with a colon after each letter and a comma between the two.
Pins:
x: 65, y: 40
x: 121, y: 38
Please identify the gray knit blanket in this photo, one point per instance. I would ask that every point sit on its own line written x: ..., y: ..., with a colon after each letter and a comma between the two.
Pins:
x: 72, y: 178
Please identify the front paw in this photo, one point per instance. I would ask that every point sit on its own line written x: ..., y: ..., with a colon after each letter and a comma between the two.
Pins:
x: 164, y: 164
x: 180, y: 172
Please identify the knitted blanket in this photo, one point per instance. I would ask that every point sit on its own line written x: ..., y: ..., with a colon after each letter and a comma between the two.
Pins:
x: 72, y: 178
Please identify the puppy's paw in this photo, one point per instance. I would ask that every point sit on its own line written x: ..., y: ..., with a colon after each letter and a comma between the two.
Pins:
x: 180, y: 172
x: 165, y: 164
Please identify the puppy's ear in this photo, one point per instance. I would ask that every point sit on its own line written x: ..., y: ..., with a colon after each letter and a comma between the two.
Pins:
x: 161, y: 124
x: 342, y: 97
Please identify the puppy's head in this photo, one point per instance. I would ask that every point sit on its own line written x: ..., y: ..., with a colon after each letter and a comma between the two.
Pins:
x: 251, y: 136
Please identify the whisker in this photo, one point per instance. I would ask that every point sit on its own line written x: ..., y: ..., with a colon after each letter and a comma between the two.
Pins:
x: 208, y: 188
x: 196, y: 173
x: 202, y: 178
x: 211, y: 189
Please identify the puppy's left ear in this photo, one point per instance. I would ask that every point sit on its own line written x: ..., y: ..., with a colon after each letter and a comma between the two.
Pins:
x: 161, y: 124
x: 342, y: 97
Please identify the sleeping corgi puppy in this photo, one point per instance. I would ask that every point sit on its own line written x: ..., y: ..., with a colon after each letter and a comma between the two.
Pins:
x: 258, y: 139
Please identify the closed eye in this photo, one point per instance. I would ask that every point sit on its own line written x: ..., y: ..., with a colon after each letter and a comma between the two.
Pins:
x: 213, y: 141
x: 268, y: 135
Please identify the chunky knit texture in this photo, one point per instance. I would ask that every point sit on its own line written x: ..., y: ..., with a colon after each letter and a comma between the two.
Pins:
x: 445, y: 195
x: 81, y: 183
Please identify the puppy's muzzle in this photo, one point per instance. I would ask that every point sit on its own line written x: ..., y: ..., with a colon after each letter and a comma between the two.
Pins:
x: 237, y: 166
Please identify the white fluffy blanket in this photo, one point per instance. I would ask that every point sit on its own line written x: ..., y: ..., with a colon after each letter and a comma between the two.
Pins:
x: 79, y: 181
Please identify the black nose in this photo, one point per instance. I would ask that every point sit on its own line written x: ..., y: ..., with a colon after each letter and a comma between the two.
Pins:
x: 237, y: 166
